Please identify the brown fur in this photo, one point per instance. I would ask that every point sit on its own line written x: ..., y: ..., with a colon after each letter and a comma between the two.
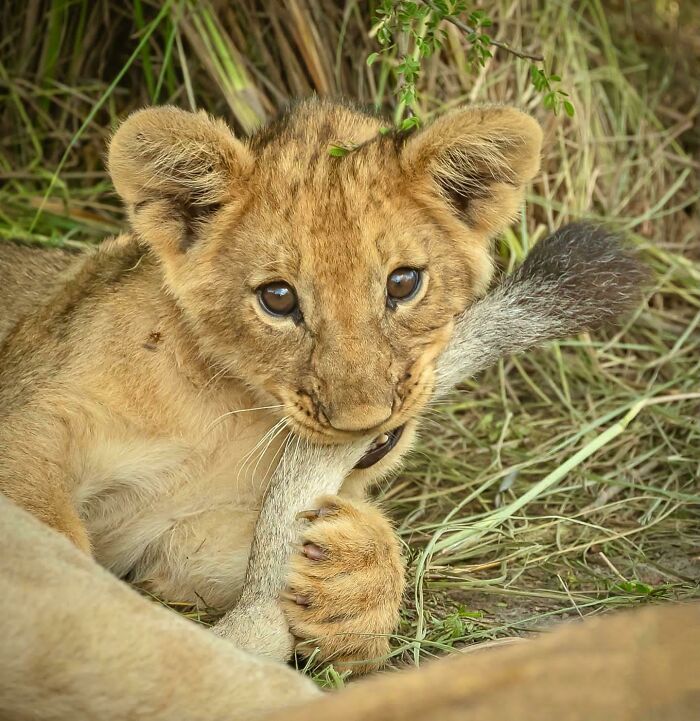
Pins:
x: 137, y: 390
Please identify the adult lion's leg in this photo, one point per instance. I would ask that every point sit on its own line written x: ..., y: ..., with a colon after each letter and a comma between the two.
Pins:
x: 78, y: 643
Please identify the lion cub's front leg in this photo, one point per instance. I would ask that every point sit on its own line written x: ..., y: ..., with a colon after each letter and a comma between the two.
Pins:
x: 346, y: 585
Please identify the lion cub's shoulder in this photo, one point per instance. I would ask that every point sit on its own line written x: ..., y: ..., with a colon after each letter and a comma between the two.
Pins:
x: 28, y: 274
x: 35, y: 279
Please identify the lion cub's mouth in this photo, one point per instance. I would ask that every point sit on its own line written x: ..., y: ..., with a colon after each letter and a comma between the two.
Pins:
x: 383, y: 443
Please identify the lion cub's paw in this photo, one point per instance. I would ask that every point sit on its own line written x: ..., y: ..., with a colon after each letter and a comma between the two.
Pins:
x: 345, y: 585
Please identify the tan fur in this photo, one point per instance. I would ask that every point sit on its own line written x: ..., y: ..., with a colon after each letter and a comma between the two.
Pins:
x: 78, y: 644
x: 28, y: 274
x: 345, y: 619
x: 575, y: 280
x: 634, y: 665
x: 144, y: 394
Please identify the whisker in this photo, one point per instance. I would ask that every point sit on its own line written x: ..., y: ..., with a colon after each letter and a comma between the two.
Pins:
x: 279, y: 428
x: 246, y: 458
x: 283, y: 448
x: 218, y: 420
x: 249, y: 457
x: 272, y: 465
x: 216, y: 375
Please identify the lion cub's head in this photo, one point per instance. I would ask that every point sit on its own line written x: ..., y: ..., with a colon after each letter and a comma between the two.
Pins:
x: 327, y: 283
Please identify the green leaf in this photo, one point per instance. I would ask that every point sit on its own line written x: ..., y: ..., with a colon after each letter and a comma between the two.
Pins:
x: 408, y: 95
x: 412, y: 121
x: 569, y: 109
x: 337, y: 152
x: 538, y: 78
x: 635, y: 587
x: 372, y: 58
x: 340, y: 151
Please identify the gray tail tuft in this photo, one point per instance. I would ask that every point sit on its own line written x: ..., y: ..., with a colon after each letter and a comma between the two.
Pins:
x: 579, y: 278
x: 587, y: 273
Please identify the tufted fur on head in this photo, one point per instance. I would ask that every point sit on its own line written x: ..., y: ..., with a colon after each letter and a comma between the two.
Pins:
x: 225, y: 216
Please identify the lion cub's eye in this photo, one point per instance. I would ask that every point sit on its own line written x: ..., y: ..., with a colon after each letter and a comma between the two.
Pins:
x: 278, y: 298
x: 402, y: 284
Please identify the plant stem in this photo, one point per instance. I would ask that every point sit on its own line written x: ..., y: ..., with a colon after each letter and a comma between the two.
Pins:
x: 497, y: 43
x: 401, y: 109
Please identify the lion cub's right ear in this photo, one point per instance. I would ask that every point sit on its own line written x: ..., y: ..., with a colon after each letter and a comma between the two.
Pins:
x: 174, y: 169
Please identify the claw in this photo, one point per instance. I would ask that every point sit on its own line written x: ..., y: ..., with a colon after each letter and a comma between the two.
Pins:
x: 317, y: 513
x: 314, y: 552
x: 295, y: 598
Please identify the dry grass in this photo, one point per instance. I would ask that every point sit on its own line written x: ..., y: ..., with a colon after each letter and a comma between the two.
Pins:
x: 612, y: 519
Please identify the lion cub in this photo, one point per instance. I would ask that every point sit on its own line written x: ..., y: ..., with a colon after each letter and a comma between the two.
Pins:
x: 265, y: 287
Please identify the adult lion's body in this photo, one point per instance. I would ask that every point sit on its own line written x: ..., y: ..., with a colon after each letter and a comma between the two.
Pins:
x: 77, y: 644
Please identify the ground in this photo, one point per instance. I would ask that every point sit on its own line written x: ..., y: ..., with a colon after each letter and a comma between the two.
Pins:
x: 612, y: 516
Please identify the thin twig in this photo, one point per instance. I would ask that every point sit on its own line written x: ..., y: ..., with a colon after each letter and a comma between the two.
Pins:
x: 403, y: 108
x: 497, y: 43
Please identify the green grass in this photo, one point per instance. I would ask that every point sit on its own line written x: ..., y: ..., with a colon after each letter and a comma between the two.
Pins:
x: 557, y: 485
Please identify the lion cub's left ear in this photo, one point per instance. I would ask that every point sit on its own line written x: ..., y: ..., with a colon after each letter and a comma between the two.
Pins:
x: 479, y: 159
x: 174, y: 169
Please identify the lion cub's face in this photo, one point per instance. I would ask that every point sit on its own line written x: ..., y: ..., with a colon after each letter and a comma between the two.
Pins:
x: 329, y: 284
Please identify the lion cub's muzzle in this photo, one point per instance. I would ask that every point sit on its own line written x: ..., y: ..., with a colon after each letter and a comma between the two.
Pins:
x: 357, y: 418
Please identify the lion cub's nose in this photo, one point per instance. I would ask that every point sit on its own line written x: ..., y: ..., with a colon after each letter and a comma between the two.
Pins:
x: 358, y: 418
